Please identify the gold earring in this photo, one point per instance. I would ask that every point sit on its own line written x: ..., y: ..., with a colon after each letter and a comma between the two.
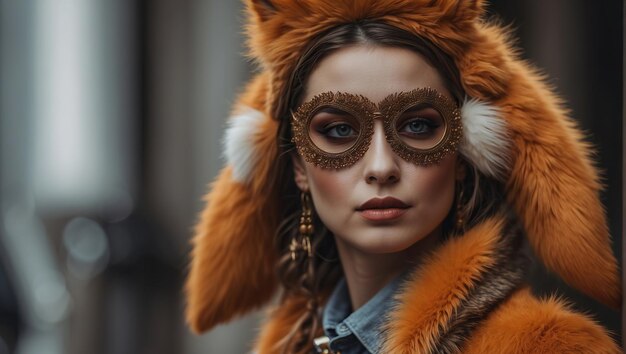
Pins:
x: 461, y: 212
x: 305, y: 229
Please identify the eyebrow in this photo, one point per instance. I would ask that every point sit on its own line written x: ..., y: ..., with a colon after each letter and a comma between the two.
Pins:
x: 333, y: 110
x: 419, y: 107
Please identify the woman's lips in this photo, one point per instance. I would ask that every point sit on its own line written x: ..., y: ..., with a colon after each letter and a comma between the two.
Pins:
x: 383, y: 209
x: 382, y: 214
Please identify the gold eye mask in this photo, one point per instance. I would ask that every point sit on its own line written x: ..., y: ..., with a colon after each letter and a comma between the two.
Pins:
x: 334, y: 130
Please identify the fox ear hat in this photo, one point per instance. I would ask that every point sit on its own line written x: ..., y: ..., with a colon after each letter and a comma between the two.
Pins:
x: 515, y: 130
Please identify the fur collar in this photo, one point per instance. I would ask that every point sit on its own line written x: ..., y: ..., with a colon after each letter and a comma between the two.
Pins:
x: 444, y: 299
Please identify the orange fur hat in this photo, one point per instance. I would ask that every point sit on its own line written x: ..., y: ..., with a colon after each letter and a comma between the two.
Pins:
x: 515, y: 130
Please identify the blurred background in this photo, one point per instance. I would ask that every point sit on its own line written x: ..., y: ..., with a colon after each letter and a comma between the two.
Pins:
x: 111, y: 119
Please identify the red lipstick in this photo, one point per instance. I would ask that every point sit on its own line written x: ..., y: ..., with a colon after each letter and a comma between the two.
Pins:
x: 383, y: 209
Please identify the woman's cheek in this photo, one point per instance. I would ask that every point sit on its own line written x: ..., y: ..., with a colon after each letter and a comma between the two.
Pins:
x: 434, y: 185
x: 331, y: 184
x: 331, y: 192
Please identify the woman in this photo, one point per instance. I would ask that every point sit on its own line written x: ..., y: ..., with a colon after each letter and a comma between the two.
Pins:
x: 383, y: 169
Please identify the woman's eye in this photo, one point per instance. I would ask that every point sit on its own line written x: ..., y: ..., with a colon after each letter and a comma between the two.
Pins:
x: 339, y: 131
x: 418, y: 127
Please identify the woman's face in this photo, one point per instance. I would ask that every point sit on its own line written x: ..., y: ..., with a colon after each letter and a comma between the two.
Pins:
x: 339, y: 194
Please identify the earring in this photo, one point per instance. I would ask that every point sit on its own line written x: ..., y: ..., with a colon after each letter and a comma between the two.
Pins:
x: 461, y: 212
x: 305, y: 229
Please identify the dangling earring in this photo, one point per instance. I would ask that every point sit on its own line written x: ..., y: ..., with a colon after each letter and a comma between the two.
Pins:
x: 305, y: 229
x: 461, y: 212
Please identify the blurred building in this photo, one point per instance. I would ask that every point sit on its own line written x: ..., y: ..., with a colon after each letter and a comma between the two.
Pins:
x: 111, y: 120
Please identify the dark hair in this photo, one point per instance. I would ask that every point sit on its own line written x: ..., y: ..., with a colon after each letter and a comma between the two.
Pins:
x: 313, y: 279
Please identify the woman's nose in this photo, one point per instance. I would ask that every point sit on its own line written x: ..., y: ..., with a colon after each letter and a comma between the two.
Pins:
x: 381, y: 162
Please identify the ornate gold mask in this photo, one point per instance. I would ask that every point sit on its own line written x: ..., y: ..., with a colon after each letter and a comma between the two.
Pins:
x: 334, y: 130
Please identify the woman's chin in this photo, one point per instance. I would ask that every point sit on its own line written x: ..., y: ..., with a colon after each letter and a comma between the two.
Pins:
x: 383, y: 242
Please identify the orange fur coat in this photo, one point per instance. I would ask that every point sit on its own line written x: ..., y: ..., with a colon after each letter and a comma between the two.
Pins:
x: 469, y: 297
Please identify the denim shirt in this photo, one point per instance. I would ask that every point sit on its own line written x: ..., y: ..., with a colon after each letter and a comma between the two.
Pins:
x: 358, y: 332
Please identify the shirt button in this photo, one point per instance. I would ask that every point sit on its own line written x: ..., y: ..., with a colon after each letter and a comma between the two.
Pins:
x: 342, y: 329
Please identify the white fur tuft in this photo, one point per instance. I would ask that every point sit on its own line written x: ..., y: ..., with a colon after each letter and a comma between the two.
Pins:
x: 239, y: 149
x: 486, y: 143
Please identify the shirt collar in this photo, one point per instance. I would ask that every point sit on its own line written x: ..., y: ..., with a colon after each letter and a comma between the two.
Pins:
x: 365, y: 323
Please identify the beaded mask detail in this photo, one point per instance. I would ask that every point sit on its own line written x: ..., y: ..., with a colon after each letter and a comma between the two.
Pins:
x: 334, y: 130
